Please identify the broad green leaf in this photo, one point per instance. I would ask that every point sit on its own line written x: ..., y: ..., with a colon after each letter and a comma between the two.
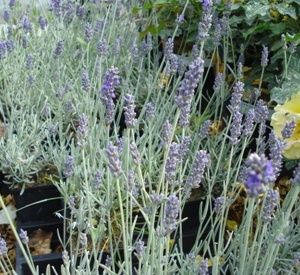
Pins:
x: 278, y: 28
x: 292, y: 37
x: 280, y: 95
x: 256, y: 9
x: 294, y: 66
x: 256, y: 29
x: 286, y: 10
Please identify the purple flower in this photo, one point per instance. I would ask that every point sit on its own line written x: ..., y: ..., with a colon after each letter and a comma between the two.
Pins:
x: 184, y: 147
x: 80, y: 11
x: 28, y: 64
x: 11, y: 3
x: 3, y: 247
x: 27, y: 25
x: 186, y: 90
x: 85, y: 81
x: 43, y: 22
x: 23, y: 236
x: 219, y: 204
x: 117, y: 46
x: 204, y: 130
x: 135, y: 153
x: 172, y: 161
x: 99, y: 26
x: 169, y: 48
x: 55, y: 5
x: 203, y: 267
x: 88, y: 32
x: 171, y: 214
x: 206, y: 21
x: 135, y: 53
x: 102, y: 48
x: 58, y: 50
x: 202, y: 160
x: 82, y: 131
x: 24, y: 42
x: 296, y: 174
x: 108, y: 261
x: 130, y: 114
x: 112, y: 153
x: 258, y: 174
x: 69, y: 107
x: 180, y: 18
x: 140, y: 249
x: 249, y: 123
x: 68, y: 169
x: 149, y: 111
x: 218, y: 83
x: 2, y: 50
x: 107, y: 93
x: 288, y: 129
x: 261, y: 111
x: 236, y: 97
x: 10, y: 45
x: 166, y: 133
x: 97, y: 180
x: 264, y: 57
x: 173, y: 63
x: 236, y: 127
x: 83, y: 239
x: 6, y: 16
x: 271, y: 200
x: 276, y: 147
x: 31, y: 79
x: 156, y: 198
x: 146, y: 44
x: 131, y: 186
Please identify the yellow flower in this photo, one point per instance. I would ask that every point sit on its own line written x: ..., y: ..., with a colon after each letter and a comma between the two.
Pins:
x: 285, y: 113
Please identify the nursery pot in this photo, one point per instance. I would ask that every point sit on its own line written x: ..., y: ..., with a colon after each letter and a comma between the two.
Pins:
x: 37, y: 203
x: 39, y: 234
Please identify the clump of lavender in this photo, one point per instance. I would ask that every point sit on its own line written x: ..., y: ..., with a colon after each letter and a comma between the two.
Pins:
x: 68, y: 169
x: 271, y: 201
x: 249, y: 123
x: 130, y: 114
x: 82, y: 130
x: 219, y: 204
x: 59, y: 49
x: 258, y: 174
x: 171, y: 214
x: 114, y: 164
x: 169, y: 48
x: 149, y: 111
x: 132, y: 186
x: 203, y: 267
x: 202, y: 161
x: 276, y: 147
x: 186, y: 90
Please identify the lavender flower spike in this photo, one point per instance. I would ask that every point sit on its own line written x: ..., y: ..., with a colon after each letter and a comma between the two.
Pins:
x: 82, y: 130
x: 272, y: 198
x: 68, y: 169
x: 202, y: 160
x: 172, y: 210
x: 114, y: 160
x: 23, y: 236
x: 288, y: 129
x: 59, y: 48
x: 259, y: 173
x: 3, y: 247
x: 130, y: 119
x: 166, y: 133
x: 264, y: 57
x: 85, y: 81
x: 186, y: 90
x: 172, y: 161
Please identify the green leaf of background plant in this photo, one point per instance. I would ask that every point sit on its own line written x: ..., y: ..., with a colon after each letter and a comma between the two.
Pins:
x: 280, y: 95
x: 292, y: 38
x: 255, y: 9
x: 256, y: 29
x: 277, y: 28
x: 286, y: 10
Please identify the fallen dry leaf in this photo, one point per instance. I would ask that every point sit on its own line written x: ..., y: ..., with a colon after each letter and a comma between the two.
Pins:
x: 40, y: 241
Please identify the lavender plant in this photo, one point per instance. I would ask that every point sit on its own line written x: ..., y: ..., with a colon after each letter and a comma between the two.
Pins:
x: 134, y: 143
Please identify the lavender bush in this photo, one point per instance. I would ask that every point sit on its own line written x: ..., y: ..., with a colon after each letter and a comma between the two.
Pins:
x: 134, y: 140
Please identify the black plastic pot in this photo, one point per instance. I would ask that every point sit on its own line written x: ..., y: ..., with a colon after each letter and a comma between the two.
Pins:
x: 42, y: 261
x: 37, y: 203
